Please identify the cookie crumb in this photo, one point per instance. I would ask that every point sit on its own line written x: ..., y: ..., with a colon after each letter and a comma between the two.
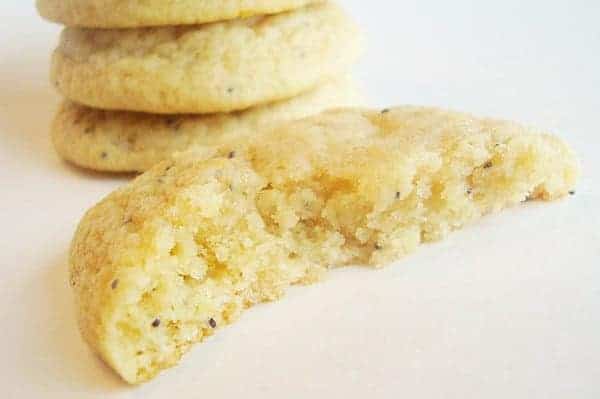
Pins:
x: 114, y: 284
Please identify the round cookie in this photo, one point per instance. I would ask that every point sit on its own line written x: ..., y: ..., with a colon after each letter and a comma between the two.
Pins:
x: 219, y: 67
x: 120, y: 141
x: 137, y: 13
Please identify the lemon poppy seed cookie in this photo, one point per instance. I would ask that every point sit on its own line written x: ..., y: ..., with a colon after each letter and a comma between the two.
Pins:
x: 116, y: 141
x: 179, y: 252
x: 136, y: 13
x: 220, y: 67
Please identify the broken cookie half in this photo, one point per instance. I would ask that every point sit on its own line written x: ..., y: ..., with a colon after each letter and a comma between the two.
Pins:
x: 183, y: 249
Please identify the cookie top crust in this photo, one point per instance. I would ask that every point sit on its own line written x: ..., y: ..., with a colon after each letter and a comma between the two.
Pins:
x: 148, y: 13
x: 220, y: 67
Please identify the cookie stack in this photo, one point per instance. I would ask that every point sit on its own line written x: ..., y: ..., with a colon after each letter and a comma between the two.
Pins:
x: 143, y: 80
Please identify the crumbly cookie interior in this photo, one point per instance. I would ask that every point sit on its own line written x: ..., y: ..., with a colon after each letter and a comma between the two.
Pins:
x: 185, y: 248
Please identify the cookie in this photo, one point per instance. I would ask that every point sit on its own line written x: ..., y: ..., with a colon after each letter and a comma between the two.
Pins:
x: 114, y: 141
x: 219, y: 67
x: 135, y: 13
x: 183, y: 249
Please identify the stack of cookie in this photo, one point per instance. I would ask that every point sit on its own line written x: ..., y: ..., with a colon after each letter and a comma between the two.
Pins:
x: 143, y: 80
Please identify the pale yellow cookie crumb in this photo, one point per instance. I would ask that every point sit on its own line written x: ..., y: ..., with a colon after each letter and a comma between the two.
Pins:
x: 182, y: 250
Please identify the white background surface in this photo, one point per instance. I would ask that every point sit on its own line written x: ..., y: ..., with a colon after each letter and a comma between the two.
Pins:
x: 506, y: 308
